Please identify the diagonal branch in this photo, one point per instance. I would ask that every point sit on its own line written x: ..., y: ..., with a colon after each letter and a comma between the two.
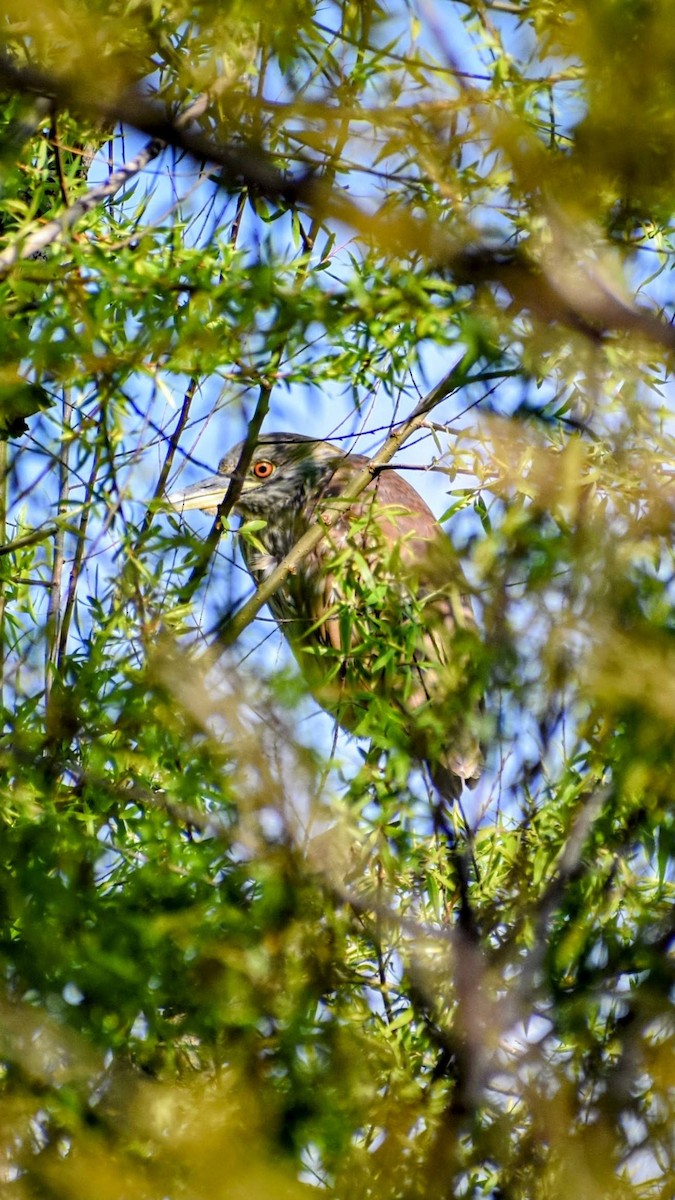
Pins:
x: 27, y: 79
x: 564, y: 287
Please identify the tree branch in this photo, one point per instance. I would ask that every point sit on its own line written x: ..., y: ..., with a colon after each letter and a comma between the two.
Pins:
x: 567, y: 286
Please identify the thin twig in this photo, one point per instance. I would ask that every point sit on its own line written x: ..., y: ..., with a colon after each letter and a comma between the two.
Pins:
x: 160, y: 486
x: 232, y: 494
x: 78, y: 559
x: 52, y: 627
x: 58, y: 157
x: 32, y: 538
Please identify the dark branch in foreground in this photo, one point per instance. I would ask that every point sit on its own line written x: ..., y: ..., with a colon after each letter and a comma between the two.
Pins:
x: 566, y: 286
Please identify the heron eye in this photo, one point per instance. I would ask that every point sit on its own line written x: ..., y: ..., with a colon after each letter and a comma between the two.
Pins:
x: 263, y: 468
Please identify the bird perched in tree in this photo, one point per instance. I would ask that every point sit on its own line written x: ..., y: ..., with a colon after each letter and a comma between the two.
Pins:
x: 375, y: 614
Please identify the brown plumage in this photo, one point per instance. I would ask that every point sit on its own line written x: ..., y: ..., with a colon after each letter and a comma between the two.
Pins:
x: 375, y: 611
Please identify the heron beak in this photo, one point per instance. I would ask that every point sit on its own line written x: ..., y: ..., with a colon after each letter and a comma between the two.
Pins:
x: 207, y: 495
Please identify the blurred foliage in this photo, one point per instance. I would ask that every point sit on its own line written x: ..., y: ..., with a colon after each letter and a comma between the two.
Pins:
x: 241, y: 957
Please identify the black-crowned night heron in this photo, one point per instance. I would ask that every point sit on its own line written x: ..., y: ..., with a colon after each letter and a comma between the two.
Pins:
x: 375, y: 613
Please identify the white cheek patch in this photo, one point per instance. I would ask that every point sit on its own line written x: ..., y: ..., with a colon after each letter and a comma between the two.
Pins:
x: 265, y: 563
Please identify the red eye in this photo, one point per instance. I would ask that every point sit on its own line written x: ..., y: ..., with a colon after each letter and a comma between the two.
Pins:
x: 263, y: 468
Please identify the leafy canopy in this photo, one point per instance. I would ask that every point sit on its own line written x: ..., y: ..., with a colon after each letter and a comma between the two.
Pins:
x: 242, y: 956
